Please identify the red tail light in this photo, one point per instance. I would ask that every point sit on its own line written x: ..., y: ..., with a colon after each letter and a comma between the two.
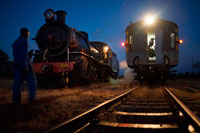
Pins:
x: 180, y: 41
x: 123, y: 44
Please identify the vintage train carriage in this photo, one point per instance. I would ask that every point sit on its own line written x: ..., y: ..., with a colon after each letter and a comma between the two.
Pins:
x: 152, y: 49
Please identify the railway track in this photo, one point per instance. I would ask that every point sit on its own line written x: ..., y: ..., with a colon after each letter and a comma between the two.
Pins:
x: 188, y: 95
x: 141, y: 109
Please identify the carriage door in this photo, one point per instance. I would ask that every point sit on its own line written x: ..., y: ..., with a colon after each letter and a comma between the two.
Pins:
x: 150, y: 49
x: 159, y: 47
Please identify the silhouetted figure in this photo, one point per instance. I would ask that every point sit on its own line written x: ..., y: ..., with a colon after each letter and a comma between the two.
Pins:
x: 150, y: 51
x: 151, y: 42
x: 22, y: 67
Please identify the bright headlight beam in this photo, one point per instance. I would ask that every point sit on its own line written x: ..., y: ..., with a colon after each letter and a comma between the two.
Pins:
x: 149, y: 20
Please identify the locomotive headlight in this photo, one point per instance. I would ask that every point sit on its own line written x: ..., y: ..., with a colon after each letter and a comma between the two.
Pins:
x: 150, y: 19
x: 49, y: 14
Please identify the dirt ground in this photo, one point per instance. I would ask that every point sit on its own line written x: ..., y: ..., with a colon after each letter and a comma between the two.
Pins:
x: 58, y: 105
x: 52, y: 106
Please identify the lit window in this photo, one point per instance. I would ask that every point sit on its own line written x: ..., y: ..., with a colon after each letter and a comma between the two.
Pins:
x: 130, y: 39
x: 172, y: 35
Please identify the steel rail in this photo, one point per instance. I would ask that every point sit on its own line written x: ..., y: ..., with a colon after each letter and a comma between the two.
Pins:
x: 195, y: 120
x: 79, y: 121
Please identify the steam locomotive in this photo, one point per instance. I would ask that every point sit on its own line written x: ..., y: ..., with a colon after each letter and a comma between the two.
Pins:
x: 66, y: 56
x: 152, y: 48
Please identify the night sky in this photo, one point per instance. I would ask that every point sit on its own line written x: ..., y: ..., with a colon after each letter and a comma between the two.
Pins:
x: 104, y: 20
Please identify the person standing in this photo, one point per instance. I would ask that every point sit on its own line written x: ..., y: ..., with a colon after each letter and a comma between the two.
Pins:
x: 22, y: 67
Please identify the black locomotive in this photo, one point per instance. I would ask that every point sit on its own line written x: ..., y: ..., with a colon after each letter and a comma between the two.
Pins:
x: 65, y: 55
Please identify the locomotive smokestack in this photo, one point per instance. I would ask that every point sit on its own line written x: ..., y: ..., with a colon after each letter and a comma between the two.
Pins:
x: 61, y: 16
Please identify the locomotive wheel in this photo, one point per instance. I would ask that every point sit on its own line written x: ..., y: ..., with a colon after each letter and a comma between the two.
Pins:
x: 107, y: 74
x: 92, y: 72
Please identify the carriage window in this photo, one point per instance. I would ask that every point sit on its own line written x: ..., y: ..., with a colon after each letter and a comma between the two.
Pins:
x: 172, y: 35
x: 130, y: 39
x: 151, y: 44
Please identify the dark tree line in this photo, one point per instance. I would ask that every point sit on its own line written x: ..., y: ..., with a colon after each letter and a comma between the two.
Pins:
x: 6, y: 66
x: 194, y: 74
x: 197, y: 65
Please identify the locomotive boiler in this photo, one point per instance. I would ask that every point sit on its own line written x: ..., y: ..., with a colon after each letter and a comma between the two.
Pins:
x: 152, y: 48
x: 66, y: 56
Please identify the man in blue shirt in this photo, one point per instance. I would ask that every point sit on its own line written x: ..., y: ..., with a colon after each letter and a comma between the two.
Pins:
x: 22, y: 67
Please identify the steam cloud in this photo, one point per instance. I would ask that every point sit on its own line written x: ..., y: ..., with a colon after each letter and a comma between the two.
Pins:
x: 123, y: 65
x: 128, y: 75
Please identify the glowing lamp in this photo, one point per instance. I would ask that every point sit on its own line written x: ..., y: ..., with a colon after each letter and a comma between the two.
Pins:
x: 149, y: 20
x: 49, y: 14
x: 123, y: 44
x: 105, y: 49
x: 180, y: 41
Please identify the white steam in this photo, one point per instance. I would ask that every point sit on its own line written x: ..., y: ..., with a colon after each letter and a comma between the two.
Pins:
x: 128, y: 75
x: 123, y: 65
